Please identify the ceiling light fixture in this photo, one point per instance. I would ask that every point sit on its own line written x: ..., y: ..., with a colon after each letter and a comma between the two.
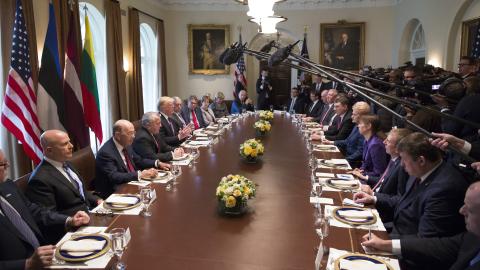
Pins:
x: 267, y: 25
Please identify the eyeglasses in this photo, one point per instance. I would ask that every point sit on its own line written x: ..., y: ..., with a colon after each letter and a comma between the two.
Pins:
x: 4, y: 164
x: 463, y: 64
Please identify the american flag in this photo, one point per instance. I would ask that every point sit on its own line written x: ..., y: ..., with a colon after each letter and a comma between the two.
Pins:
x: 476, y: 43
x: 240, y: 71
x: 19, y: 112
x: 304, y: 54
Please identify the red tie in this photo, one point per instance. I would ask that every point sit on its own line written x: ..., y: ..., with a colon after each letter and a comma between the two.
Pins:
x: 128, y: 161
x: 339, y: 122
x: 325, y: 114
x: 380, y: 181
x: 194, y: 119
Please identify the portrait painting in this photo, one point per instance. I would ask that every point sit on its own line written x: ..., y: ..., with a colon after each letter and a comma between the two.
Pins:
x: 205, y: 44
x: 342, y: 45
x: 469, y: 31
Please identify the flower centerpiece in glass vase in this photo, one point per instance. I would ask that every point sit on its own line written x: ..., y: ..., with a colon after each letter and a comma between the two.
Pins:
x: 233, y: 192
x: 262, y: 127
x: 266, y: 115
x: 251, y: 150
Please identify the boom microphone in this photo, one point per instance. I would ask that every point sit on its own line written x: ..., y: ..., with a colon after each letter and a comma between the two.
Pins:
x: 234, y: 54
x: 266, y: 48
x: 280, y: 55
x: 226, y: 51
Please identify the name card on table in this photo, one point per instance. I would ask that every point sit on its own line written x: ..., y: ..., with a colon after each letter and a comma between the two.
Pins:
x: 321, y: 200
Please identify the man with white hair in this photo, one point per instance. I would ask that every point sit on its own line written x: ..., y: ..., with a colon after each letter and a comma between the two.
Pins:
x: 116, y: 162
x: 172, y: 132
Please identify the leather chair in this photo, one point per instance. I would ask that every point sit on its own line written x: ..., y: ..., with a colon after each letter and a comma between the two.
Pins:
x: 83, y: 161
x: 22, y: 182
x: 137, y: 124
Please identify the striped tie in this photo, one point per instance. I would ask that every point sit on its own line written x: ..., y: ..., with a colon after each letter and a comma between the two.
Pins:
x: 19, y: 223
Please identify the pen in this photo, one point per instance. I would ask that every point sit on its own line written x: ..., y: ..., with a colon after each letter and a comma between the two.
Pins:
x: 369, y: 234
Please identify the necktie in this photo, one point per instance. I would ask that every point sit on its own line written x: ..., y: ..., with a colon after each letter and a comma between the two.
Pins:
x: 194, y: 119
x: 313, y: 105
x: 156, y: 143
x: 171, y: 126
x: 181, y: 120
x: 475, y: 259
x: 318, y: 87
x: 292, y: 105
x: 128, y: 161
x: 75, y: 182
x: 325, y: 114
x: 380, y: 181
x: 19, y: 223
x: 339, y: 122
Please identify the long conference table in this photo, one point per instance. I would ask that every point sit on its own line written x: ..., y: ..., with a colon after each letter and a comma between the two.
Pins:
x: 186, y: 231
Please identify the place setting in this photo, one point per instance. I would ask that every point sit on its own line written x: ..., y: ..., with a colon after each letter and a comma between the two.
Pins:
x: 325, y: 148
x: 127, y: 204
x: 341, y: 164
x: 354, y: 217
x: 345, y: 260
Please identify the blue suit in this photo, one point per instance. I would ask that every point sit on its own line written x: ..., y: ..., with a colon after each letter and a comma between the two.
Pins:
x: 352, y: 146
x: 430, y: 208
x: 111, y: 171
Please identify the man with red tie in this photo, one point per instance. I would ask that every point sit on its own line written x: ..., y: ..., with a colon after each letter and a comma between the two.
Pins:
x: 193, y: 114
x: 116, y: 162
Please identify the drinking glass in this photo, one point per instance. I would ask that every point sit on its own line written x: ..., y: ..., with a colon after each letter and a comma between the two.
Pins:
x: 323, y: 226
x: 118, y: 245
x: 195, y: 154
x: 319, y: 190
x: 146, y: 195
x: 176, y: 171
x: 271, y: 108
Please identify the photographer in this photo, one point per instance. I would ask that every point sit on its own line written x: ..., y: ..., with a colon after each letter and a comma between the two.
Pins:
x: 264, y: 91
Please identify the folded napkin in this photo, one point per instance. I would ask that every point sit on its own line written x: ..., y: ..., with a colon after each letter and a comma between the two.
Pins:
x: 345, y: 176
x: 199, y: 142
x: 84, y: 245
x: 353, y: 214
x: 346, y: 183
x: 337, y: 161
x: 121, y: 200
x: 361, y: 265
x: 179, y: 158
x: 324, y: 175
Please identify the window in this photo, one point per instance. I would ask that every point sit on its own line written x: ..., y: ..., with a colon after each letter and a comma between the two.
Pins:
x: 417, y: 45
x: 97, y: 26
x: 148, y: 51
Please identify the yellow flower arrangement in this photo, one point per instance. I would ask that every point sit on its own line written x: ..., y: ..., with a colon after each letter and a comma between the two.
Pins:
x: 251, y: 149
x: 234, y: 190
x: 266, y: 115
x: 262, y: 126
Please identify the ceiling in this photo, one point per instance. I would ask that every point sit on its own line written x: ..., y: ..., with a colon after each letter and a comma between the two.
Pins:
x: 231, y: 5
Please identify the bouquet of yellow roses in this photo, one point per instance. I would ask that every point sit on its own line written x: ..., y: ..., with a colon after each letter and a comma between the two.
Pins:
x: 266, y: 115
x: 251, y: 149
x: 235, y: 191
x: 262, y: 126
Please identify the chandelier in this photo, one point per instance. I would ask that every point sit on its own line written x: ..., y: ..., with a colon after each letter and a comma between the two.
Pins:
x: 261, y: 13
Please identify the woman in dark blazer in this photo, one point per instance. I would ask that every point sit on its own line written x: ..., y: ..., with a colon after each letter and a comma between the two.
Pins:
x: 374, y: 158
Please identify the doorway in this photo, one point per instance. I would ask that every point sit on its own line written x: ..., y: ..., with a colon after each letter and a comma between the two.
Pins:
x: 280, y: 77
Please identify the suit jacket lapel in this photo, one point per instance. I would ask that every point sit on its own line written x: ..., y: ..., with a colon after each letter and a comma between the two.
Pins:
x: 410, y: 195
x: 61, y: 178
x: 166, y: 124
x: 117, y: 155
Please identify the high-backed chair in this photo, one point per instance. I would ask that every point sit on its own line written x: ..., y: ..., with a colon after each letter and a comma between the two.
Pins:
x: 137, y: 124
x: 22, y: 182
x: 83, y: 161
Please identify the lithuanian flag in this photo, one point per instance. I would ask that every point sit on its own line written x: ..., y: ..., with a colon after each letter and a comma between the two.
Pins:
x: 88, y: 79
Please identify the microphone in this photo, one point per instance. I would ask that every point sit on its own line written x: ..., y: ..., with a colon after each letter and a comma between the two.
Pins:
x: 266, y: 48
x: 234, y: 54
x: 226, y: 51
x: 280, y: 55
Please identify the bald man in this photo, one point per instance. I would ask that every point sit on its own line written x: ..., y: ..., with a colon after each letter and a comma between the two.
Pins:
x: 459, y: 252
x: 55, y: 184
x: 116, y: 162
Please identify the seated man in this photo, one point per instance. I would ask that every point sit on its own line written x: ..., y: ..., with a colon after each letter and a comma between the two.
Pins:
x: 315, y: 108
x: 148, y: 143
x: 342, y: 123
x: 295, y: 104
x: 23, y: 244
x: 116, y: 162
x: 173, y: 134
x: 352, y: 146
x: 458, y: 252
x: 434, y: 193
x: 193, y: 114
x: 242, y: 103
x: 55, y: 184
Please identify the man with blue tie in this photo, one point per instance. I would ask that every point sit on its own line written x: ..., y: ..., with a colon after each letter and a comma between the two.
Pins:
x: 55, y: 184
x: 172, y: 133
x: 459, y: 252
x: 295, y: 104
x: 434, y: 193
x: 23, y: 244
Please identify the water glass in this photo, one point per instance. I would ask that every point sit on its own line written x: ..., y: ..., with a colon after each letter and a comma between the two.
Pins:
x: 271, y: 108
x: 118, y: 245
x: 322, y: 224
x: 195, y: 154
x: 176, y: 171
x: 146, y: 195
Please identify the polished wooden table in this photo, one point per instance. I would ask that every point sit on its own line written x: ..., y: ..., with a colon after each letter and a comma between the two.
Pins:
x: 186, y: 231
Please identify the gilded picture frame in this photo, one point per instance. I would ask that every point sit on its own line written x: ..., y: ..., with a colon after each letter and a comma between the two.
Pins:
x: 469, y: 30
x: 205, y: 44
x: 342, y: 45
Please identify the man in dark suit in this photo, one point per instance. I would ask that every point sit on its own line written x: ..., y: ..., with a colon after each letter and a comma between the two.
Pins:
x: 116, y: 162
x: 55, y: 184
x: 264, y: 91
x: 315, y: 108
x: 23, y: 244
x: 148, y: 142
x: 345, y: 54
x: 434, y: 193
x: 459, y: 252
x: 295, y: 104
x: 342, y: 123
x: 326, y: 116
x: 193, y: 114
x: 319, y: 85
x: 170, y: 130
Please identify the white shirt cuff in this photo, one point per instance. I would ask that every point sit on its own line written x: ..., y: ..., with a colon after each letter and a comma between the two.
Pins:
x: 396, y: 247
x: 467, y: 147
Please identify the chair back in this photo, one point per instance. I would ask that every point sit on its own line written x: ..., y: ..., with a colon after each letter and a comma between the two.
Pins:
x: 83, y: 161
x: 22, y: 182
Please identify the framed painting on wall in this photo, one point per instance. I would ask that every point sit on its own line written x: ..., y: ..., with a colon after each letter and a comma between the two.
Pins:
x: 205, y: 44
x: 342, y: 45
x: 469, y: 31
